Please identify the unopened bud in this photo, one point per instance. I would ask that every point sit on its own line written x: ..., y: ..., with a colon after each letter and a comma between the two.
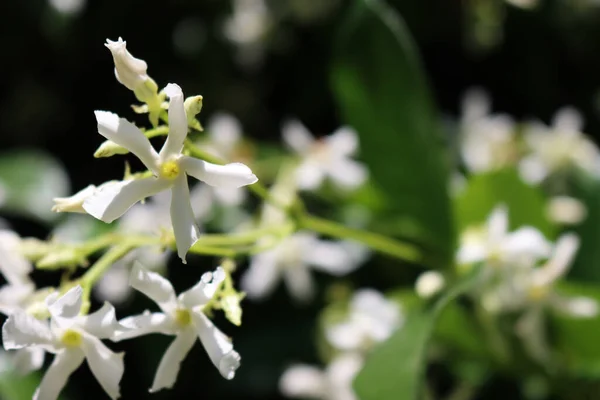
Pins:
x: 61, y: 258
x: 429, y: 283
x: 109, y: 148
x: 230, y: 303
x: 73, y: 203
x: 130, y: 71
x: 193, y: 106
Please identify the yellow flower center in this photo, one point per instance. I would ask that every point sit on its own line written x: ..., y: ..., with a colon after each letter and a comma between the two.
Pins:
x: 183, y: 316
x: 537, y: 293
x: 71, y: 338
x: 169, y: 169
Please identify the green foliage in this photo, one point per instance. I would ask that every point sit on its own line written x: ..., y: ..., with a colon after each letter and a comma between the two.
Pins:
x: 15, y: 387
x: 380, y: 89
x: 30, y: 180
x: 394, y: 370
x: 526, y: 204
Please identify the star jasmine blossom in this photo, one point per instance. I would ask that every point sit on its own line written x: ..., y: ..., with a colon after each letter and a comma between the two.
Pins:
x: 72, y: 338
x: 169, y: 167
x: 183, y: 317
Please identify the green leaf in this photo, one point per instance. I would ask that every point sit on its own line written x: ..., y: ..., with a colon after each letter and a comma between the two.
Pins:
x: 526, y: 204
x: 586, y: 265
x: 380, y: 89
x: 30, y: 179
x: 394, y: 371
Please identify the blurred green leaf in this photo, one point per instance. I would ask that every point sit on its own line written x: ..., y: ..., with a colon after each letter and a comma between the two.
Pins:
x: 394, y: 370
x: 526, y: 204
x: 587, y: 263
x: 380, y: 89
x: 30, y: 179
x: 17, y: 387
x: 577, y: 338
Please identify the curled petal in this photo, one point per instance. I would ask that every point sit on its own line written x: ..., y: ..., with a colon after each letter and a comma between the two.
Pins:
x: 106, y: 366
x: 127, y: 135
x: 178, y: 127
x: 154, y: 286
x: 22, y: 330
x: 110, y: 202
x: 204, y: 290
x: 217, y: 345
x: 65, y: 307
x: 167, y: 371
x: 182, y: 217
x: 56, y: 377
x: 102, y: 323
x: 229, y: 175
x: 144, y: 324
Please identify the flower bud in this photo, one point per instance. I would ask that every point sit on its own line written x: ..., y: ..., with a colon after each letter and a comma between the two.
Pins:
x: 108, y: 149
x: 73, y: 203
x: 193, y: 106
x: 130, y: 71
x: 429, y: 283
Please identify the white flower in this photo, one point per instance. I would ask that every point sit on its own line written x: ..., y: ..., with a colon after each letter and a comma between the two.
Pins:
x: 292, y: 258
x: 130, y: 71
x: 181, y: 316
x: 326, y: 157
x: 566, y: 210
x: 72, y: 338
x: 495, y: 245
x: 13, y: 264
x: 429, y: 283
x: 249, y: 22
x: 74, y: 203
x: 334, y: 383
x: 558, y: 147
x: 371, y: 319
x: 487, y: 140
x: 170, y: 170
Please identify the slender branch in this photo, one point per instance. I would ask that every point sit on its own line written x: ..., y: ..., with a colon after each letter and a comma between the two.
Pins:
x: 377, y: 242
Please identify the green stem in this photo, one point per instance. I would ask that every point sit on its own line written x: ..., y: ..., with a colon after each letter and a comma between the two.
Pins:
x: 158, y: 131
x: 375, y: 241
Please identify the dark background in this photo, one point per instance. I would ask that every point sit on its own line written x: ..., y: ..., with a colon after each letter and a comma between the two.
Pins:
x: 56, y: 71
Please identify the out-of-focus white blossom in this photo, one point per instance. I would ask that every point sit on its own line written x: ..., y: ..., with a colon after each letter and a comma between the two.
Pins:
x: 292, y: 259
x: 183, y: 317
x: 494, y: 244
x: 558, y: 147
x: 328, y: 157
x: 371, y: 319
x: 170, y: 169
x: 429, y: 284
x: 72, y: 338
x: 247, y: 28
x: 566, y: 210
x: 332, y: 383
x: 487, y: 141
x: 526, y: 4
x: 68, y: 7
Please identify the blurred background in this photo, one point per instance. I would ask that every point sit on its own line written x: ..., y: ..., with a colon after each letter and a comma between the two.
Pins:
x: 264, y: 62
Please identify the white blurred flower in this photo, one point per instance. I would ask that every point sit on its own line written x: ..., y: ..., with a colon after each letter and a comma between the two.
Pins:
x: 429, y: 283
x: 333, y: 383
x: 526, y: 4
x: 170, y: 169
x: 247, y: 28
x: 72, y: 338
x: 487, y: 141
x: 326, y: 157
x: 71, y: 7
x: 183, y: 317
x: 292, y: 259
x: 495, y: 245
x: 566, y: 210
x: 371, y: 319
x: 560, y: 146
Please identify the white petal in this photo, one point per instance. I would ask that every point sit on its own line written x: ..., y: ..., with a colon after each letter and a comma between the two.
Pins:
x: 22, y: 330
x: 303, y: 381
x: 178, y: 127
x: 262, y: 275
x: 558, y: 266
x: 229, y: 175
x: 110, y: 202
x: 56, y: 377
x: 347, y: 173
x: 299, y: 282
x: 344, y: 141
x: 114, y: 284
x: 217, y: 345
x: 144, y: 324
x: 102, y: 323
x: 167, y: 371
x: 182, y: 217
x: 157, y: 288
x: 469, y: 253
x: 12, y: 297
x: 429, y: 283
x: 341, y: 371
x: 106, y: 366
x: 332, y: 257
x: 567, y: 119
x: 344, y: 336
x: 127, y: 135
x: 533, y: 170
x: 297, y: 137
x: 13, y: 265
x: 578, y: 307
x: 73, y: 203
x: 309, y: 175
x: 228, y: 196
x: 528, y: 243
x: 497, y: 224
x: 28, y: 359
x: 204, y: 290
x: 225, y: 132
x: 66, y: 307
